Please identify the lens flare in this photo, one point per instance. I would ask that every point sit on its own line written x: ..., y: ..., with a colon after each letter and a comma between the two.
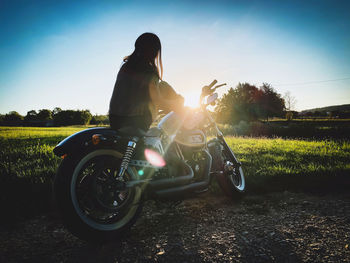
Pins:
x: 154, y: 158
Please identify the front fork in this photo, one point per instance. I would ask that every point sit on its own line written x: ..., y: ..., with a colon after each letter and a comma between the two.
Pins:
x: 220, y: 136
x: 228, y: 149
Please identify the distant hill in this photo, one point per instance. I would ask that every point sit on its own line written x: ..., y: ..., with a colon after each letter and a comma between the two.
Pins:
x: 341, y: 108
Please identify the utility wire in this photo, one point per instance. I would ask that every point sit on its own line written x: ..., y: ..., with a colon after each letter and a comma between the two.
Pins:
x: 311, y: 82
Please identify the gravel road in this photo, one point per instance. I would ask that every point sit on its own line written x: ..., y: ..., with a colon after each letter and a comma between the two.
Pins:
x: 283, y: 227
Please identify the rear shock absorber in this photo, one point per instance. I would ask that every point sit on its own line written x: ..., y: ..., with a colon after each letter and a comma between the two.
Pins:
x: 127, y: 156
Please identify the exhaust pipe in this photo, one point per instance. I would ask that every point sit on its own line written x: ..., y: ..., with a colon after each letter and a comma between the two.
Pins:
x: 176, y: 181
x: 157, y: 184
x: 180, y: 191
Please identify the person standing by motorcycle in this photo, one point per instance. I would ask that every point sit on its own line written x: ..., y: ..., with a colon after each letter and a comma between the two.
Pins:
x: 138, y: 92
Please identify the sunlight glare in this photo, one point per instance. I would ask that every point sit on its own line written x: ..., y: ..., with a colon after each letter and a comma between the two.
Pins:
x: 192, y: 100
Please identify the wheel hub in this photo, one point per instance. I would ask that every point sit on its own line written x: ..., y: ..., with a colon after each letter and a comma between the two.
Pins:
x: 232, y: 173
x: 110, y: 192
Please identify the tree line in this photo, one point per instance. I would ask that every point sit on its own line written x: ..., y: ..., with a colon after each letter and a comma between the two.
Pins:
x: 244, y: 102
x: 56, y: 117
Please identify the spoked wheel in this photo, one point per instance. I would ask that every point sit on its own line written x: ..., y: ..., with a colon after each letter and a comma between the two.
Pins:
x: 231, y: 179
x: 95, y: 204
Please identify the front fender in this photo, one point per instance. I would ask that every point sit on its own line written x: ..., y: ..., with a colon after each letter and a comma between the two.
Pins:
x: 82, y: 139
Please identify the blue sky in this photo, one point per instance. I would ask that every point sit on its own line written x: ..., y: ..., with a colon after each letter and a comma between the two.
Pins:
x: 67, y: 53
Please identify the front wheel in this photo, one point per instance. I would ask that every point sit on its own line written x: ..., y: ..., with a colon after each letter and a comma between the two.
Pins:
x: 94, y: 204
x: 232, y: 180
x: 229, y: 175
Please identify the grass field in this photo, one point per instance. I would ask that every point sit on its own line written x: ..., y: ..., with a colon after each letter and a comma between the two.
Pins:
x: 27, y: 164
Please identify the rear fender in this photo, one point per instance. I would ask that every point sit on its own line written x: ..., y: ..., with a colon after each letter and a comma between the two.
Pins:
x: 83, y: 140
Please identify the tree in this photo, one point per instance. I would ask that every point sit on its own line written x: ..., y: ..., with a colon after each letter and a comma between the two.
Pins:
x: 32, y: 115
x: 241, y: 103
x: 56, y: 111
x: 44, y: 115
x: 84, y: 117
x: 13, y: 116
x: 271, y: 102
x: 289, y: 101
x: 71, y: 117
x: 225, y: 112
x: 249, y: 103
x: 64, y: 118
x: 99, y: 119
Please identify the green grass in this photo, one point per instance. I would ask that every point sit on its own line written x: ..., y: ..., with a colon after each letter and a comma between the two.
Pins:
x: 27, y: 152
x: 27, y: 164
x: 27, y: 168
x: 37, y: 132
x: 270, y: 157
x: 279, y: 164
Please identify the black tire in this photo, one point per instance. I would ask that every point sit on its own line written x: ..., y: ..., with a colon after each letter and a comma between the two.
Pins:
x: 229, y: 187
x: 69, y: 186
x: 231, y: 182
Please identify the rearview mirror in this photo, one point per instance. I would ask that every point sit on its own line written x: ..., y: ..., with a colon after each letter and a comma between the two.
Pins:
x: 211, y: 98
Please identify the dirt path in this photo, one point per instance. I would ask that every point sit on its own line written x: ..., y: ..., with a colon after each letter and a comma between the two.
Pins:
x: 210, y: 228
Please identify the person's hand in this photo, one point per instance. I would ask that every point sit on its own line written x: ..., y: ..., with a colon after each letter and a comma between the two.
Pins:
x: 207, y: 89
x: 210, y: 89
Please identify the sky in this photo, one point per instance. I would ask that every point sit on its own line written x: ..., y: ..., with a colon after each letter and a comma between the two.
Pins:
x: 67, y: 53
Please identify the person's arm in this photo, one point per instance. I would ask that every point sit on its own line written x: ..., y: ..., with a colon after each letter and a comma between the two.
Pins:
x: 162, y: 102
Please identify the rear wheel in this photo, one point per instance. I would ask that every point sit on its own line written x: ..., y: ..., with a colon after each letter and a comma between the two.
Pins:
x: 95, y: 205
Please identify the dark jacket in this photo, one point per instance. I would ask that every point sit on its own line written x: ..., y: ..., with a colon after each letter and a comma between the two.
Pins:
x: 131, y: 90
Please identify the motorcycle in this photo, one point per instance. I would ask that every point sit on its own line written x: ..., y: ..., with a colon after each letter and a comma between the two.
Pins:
x: 106, y: 175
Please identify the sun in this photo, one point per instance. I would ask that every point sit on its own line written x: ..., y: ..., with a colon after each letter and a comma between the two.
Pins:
x: 192, y: 100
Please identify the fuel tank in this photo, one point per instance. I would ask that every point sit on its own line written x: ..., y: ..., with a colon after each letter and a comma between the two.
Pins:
x: 191, y: 138
x: 171, y: 123
x: 175, y: 126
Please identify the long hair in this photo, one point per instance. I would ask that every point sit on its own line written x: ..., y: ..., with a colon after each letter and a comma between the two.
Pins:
x: 148, y: 49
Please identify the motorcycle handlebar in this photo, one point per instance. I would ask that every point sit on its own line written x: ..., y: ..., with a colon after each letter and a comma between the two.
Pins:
x: 208, y: 90
x: 218, y: 86
x: 213, y: 83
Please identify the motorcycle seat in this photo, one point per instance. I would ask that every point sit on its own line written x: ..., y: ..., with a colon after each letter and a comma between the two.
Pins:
x: 129, y: 131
